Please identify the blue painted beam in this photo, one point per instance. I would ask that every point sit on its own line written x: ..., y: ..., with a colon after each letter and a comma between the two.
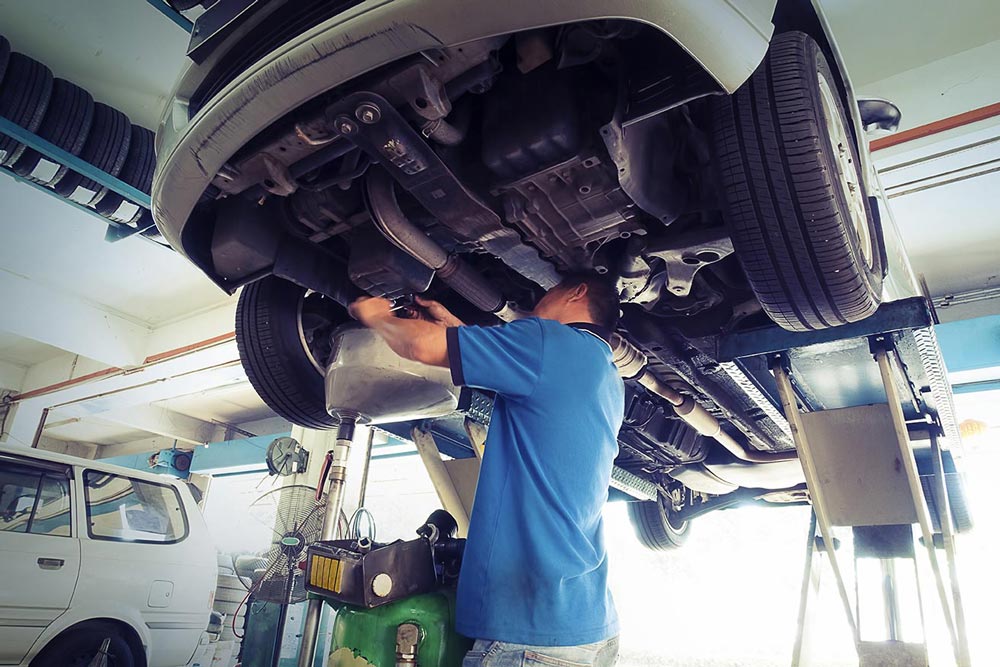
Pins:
x: 133, y: 461
x: 244, y: 455
x: 172, y: 14
x: 976, y: 387
x: 970, y: 344
x: 50, y: 150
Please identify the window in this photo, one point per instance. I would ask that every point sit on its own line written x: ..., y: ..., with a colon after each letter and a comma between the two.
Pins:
x: 132, y: 510
x: 34, y: 500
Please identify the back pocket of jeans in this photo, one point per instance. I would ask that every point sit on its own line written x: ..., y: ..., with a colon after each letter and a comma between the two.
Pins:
x: 536, y: 659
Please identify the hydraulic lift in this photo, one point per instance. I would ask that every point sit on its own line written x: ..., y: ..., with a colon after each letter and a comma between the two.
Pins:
x: 860, y: 400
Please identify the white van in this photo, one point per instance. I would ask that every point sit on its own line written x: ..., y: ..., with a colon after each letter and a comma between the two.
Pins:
x: 90, y: 552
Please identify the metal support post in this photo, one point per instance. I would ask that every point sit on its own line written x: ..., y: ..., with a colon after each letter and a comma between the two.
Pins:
x: 337, y: 474
x: 909, y: 464
x: 810, y: 588
x: 447, y: 493
x: 890, y: 599
x: 948, y: 536
x: 790, y: 405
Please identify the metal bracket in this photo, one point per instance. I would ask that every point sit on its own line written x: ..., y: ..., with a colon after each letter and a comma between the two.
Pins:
x: 685, y: 255
x: 370, y: 122
x: 178, y: 19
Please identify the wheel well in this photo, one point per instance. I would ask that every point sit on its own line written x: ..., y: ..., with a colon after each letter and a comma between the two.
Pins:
x: 127, y: 631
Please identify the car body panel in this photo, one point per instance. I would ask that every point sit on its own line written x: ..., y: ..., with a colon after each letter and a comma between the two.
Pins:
x: 161, y: 591
x: 374, y: 33
x: 49, y: 591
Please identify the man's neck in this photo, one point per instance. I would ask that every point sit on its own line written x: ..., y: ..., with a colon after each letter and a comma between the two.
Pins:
x: 576, y: 316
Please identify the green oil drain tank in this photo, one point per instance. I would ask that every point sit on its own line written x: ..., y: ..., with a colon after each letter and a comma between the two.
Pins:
x: 386, y: 636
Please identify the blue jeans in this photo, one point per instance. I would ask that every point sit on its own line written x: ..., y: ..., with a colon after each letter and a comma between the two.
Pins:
x: 487, y: 653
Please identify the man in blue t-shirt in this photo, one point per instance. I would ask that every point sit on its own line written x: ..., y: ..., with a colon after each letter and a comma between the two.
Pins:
x: 533, y: 586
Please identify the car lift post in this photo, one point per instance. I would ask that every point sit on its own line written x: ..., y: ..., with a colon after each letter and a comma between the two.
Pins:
x: 818, y: 476
x: 334, y: 470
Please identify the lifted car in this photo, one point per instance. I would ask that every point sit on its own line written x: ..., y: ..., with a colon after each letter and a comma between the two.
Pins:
x: 710, y: 155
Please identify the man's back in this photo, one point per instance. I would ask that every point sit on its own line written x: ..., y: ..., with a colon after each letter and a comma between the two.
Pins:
x: 535, y: 569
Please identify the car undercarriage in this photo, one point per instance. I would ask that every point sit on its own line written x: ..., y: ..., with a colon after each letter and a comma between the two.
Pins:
x: 478, y: 173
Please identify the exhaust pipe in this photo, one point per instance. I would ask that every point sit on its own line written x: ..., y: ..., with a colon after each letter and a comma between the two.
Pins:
x: 409, y: 238
x: 457, y: 274
x: 633, y: 365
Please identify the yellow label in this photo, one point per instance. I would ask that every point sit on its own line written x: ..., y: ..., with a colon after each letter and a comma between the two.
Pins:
x: 325, y: 573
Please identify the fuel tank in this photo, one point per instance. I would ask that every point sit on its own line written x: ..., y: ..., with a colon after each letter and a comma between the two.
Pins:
x: 368, y: 382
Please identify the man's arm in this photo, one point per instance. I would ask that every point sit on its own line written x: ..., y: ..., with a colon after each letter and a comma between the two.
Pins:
x: 423, y: 340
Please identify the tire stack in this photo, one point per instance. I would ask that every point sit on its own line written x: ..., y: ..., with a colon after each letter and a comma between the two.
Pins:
x: 68, y: 117
x: 229, y: 594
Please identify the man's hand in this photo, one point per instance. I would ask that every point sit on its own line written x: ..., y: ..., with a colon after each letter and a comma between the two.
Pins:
x: 421, y: 339
x: 370, y: 309
x: 434, y: 312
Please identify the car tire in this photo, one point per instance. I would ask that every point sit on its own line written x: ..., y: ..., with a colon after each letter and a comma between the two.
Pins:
x: 4, y: 56
x: 655, y: 527
x: 66, y: 125
x: 137, y: 172
x: 78, y: 647
x: 106, y: 148
x: 272, y: 332
x: 793, y: 194
x: 24, y: 98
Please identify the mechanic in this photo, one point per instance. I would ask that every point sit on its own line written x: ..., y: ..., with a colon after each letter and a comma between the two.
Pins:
x: 533, y: 586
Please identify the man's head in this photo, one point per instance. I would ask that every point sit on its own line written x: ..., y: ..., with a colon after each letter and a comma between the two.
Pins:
x: 581, y: 297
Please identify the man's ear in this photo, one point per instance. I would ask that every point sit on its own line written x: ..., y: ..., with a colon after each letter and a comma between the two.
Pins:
x: 578, y: 293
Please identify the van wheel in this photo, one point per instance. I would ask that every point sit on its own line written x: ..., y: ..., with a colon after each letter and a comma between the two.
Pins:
x: 79, y: 646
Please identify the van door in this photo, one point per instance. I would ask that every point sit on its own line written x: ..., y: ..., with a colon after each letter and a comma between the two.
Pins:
x: 39, y: 553
x: 139, y: 544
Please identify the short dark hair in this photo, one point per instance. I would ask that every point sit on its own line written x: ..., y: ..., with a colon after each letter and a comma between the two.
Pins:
x: 602, y: 296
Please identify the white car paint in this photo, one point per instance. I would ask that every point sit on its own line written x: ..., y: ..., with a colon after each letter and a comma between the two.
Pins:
x: 161, y: 591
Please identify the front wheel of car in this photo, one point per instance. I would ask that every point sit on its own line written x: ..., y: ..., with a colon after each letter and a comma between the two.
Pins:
x: 656, y: 525
x: 284, y: 335
x: 793, y: 193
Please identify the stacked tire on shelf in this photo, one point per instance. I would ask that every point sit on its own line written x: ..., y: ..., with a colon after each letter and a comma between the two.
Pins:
x: 66, y: 116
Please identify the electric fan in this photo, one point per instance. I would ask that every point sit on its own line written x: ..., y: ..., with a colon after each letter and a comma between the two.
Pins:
x: 295, y: 518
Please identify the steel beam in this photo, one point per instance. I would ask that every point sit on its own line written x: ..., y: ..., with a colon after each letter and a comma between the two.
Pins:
x: 189, y: 372
x: 894, y: 316
x: 160, y: 421
x: 39, y: 313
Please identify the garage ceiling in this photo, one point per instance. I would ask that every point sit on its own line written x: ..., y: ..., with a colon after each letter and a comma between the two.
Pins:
x: 935, y: 60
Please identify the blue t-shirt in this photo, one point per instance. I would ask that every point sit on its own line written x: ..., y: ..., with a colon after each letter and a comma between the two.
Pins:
x: 535, y: 568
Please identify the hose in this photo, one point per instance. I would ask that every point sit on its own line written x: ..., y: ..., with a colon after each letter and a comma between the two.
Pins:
x: 452, y: 269
x: 633, y: 365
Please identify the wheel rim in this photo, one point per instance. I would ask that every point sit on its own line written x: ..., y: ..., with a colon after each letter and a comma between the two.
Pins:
x: 670, y: 518
x: 846, y: 170
x: 316, y: 320
x: 85, y: 657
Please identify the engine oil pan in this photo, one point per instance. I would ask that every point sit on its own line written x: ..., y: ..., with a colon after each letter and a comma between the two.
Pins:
x: 368, y: 382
